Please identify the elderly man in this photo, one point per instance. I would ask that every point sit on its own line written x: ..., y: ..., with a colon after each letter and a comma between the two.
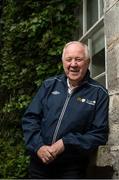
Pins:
x: 67, y: 119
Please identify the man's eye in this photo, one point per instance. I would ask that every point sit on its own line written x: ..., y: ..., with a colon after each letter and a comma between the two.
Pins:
x: 68, y: 60
x: 78, y: 59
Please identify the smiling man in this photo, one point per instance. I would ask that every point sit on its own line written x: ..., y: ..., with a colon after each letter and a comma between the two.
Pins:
x: 75, y: 59
x: 67, y: 119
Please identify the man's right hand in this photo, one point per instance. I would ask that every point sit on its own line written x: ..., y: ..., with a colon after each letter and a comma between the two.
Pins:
x: 45, y: 154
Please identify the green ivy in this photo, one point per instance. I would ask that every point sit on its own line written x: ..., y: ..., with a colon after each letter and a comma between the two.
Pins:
x: 32, y: 37
x: 13, y: 159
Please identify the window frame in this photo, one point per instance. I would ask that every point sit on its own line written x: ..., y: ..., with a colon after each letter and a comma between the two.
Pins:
x: 87, y: 34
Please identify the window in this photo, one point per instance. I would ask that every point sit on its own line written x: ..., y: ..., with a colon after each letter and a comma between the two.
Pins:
x: 92, y: 12
x: 91, y: 19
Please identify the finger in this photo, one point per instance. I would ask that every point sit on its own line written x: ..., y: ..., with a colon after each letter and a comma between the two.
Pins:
x: 46, y: 160
x: 49, y: 155
x: 50, y: 158
x: 52, y: 152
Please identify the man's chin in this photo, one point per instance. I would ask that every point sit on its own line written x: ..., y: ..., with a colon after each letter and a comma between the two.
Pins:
x: 75, y: 79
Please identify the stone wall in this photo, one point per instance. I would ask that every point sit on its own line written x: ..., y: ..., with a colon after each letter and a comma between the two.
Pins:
x: 107, y: 158
x: 111, y: 26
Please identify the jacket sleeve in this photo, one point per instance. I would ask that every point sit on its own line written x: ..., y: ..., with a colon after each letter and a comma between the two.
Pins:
x: 97, y: 131
x: 31, y: 122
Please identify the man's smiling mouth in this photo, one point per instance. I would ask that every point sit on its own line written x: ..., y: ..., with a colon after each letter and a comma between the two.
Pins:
x: 74, y: 71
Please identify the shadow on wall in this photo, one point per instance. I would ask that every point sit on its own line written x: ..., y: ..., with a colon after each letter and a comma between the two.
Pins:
x: 96, y: 172
x: 102, y: 171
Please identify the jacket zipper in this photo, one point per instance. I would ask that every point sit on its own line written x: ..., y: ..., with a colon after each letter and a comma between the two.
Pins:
x: 60, y: 118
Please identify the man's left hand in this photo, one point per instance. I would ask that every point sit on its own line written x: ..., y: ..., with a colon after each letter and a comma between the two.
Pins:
x: 57, y: 148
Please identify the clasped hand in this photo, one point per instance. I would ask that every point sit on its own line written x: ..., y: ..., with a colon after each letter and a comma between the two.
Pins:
x: 48, y: 153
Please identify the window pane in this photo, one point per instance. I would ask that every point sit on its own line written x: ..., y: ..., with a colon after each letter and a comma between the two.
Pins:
x: 101, y: 80
x: 98, y: 63
x: 92, y: 12
x: 98, y: 41
x: 101, y: 7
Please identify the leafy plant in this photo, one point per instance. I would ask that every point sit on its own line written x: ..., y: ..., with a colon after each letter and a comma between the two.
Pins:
x: 13, y: 159
x: 32, y: 37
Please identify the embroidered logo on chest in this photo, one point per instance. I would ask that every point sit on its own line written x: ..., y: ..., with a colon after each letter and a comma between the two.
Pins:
x: 55, y: 92
x: 83, y: 100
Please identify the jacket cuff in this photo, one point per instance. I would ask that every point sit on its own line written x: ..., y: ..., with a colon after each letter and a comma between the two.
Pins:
x: 38, y: 147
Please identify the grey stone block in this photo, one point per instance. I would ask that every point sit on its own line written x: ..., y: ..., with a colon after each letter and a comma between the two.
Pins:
x: 113, y: 67
x: 103, y: 156
x: 109, y: 3
x: 111, y: 24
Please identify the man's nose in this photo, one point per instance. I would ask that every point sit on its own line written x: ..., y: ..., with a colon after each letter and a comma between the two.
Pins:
x: 73, y: 62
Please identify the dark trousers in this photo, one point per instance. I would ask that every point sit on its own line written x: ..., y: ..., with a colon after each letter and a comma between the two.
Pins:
x: 56, y: 170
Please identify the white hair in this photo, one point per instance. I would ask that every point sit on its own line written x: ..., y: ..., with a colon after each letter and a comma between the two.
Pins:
x: 86, y: 50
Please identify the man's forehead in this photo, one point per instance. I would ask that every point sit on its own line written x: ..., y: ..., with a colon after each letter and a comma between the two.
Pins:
x: 71, y: 45
x: 74, y: 48
x: 74, y: 53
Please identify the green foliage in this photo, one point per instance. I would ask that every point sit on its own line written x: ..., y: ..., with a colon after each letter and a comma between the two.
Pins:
x: 13, y: 159
x: 16, y: 104
x: 13, y: 156
x: 32, y: 37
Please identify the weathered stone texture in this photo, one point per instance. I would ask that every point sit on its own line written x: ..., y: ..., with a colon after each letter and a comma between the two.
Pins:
x: 114, y: 109
x: 113, y: 68
x: 114, y: 135
x: 111, y: 19
x: 103, y: 156
x: 109, y: 4
x: 106, y: 154
x: 114, y: 152
x: 111, y: 22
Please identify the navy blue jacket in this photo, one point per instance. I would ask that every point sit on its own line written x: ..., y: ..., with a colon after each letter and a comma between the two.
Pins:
x: 80, y: 118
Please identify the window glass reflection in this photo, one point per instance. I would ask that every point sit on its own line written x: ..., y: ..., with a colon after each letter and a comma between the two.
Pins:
x: 92, y: 12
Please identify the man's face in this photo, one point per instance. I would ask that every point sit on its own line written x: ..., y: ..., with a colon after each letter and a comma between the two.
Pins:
x: 74, y: 62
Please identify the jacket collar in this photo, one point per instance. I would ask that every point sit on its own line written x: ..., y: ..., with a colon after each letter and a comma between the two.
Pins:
x: 84, y: 81
x: 87, y: 77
